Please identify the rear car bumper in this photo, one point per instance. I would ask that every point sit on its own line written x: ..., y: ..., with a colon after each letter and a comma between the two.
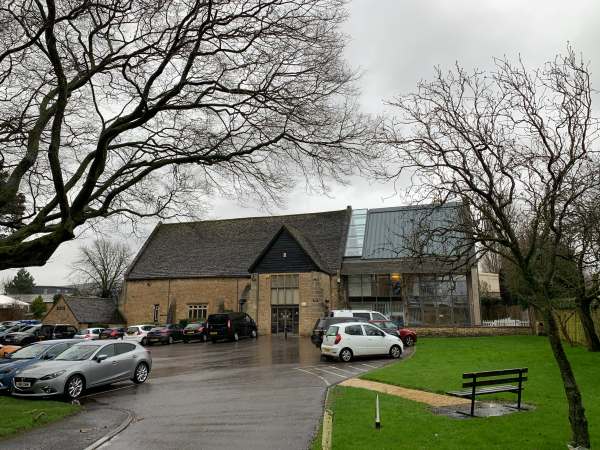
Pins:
x: 330, y: 350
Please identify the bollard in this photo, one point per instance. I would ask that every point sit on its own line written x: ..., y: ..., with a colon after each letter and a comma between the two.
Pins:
x: 377, y: 418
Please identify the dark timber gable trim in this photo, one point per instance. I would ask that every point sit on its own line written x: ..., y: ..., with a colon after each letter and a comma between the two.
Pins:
x: 288, y: 251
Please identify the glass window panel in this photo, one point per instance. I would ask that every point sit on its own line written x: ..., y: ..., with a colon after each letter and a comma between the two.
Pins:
x: 429, y: 315
x: 443, y: 315
x: 461, y: 316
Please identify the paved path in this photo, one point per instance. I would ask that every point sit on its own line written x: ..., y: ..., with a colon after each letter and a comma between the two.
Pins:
x: 429, y: 398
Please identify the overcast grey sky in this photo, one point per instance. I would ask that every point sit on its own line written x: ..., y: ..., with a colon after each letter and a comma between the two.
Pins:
x: 395, y: 43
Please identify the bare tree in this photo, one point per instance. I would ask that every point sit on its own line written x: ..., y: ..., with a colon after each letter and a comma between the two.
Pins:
x: 103, y: 264
x: 583, y: 231
x: 137, y: 108
x: 514, y: 147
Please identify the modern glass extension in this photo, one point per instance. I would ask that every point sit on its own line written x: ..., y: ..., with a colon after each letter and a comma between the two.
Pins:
x: 421, y: 299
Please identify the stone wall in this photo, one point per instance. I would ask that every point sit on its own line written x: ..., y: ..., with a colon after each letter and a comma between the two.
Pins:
x: 315, y: 296
x: 60, y: 313
x: 470, y: 331
x: 217, y: 293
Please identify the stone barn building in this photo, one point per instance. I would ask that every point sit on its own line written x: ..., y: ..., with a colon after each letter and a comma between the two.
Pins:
x: 290, y: 270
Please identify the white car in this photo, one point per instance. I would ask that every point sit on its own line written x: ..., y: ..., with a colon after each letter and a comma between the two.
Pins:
x: 138, y: 333
x: 362, y: 313
x: 88, y: 333
x: 350, y: 339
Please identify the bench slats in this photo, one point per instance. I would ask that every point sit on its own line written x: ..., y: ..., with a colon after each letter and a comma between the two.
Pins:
x: 493, y: 382
x: 491, y: 373
x: 489, y: 390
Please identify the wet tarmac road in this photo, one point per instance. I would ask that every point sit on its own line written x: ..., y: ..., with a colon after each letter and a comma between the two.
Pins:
x: 253, y: 394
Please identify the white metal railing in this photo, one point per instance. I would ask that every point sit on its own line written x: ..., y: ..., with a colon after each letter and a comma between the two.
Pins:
x: 506, y: 322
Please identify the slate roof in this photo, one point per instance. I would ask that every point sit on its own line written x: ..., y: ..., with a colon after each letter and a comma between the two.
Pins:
x: 222, y: 248
x: 94, y: 310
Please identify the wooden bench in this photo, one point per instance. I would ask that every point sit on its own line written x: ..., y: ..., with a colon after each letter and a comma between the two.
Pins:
x: 492, y: 382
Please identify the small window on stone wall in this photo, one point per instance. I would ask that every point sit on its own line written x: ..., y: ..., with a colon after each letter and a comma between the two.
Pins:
x: 197, y: 312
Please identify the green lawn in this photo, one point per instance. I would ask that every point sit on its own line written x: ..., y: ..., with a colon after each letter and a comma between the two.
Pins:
x: 18, y: 415
x: 437, y: 366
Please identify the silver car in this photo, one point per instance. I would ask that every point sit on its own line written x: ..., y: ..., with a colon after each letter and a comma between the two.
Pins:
x: 84, y: 365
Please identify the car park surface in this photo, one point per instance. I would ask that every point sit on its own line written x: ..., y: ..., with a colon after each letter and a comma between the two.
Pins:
x: 253, y: 394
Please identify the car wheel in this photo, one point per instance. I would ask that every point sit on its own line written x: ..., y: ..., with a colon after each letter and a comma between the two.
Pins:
x: 74, y: 387
x: 214, y: 341
x: 395, y: 351
x: 254, y: 334
x: 141, y: 373
x: 144, y: 341
x: 346, y: 355
x: 236, y: 337
x: 409, y: 341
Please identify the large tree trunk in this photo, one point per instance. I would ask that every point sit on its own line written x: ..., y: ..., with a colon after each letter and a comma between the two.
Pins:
x: 579, y: 425
x: 585, y: 316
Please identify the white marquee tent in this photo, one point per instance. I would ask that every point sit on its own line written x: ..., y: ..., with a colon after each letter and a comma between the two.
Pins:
x: 9, y: 302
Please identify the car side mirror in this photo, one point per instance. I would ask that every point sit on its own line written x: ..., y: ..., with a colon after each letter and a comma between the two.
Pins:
x: 101, y: 358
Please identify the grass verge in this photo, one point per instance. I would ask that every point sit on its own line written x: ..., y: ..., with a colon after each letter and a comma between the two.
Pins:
x: 18, y: 415
x: 437, y: 367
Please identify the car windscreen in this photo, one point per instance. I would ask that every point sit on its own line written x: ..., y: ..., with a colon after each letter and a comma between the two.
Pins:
x: 387, y: 325
x: 77, y: 353
x: 132, y: 330
x: 82, y: 332
x: 31, y: 351
x: 332, y: 330
x: 147, y: 327
x: 193, y: 326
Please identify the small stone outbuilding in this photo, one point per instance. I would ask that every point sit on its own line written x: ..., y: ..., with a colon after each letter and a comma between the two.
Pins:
x: 84, y: 312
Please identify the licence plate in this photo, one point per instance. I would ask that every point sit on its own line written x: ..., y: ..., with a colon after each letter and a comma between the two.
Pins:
x: 22, y: 384
x: 213, y: 333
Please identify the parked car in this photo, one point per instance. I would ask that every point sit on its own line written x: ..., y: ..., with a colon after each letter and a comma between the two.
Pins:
x: 112, y: 333
x: 84, y: 365
x: 409, y: 337
x: 348, y: 340
x: 13, y: 329
x: 195, y: 332
x: 362, y: 313
x: 8, y: 349
x: 30, y: 321
x: 57, y: 331
x: 231, y: 326
x: 89, y: 333
x: 138, y: 333
x: 167, y: 334
x: 323, y: 324
x: 22, y: 338
x: 19, y: 359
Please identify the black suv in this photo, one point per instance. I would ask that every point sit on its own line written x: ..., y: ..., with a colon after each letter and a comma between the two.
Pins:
x: 323, y: 324
x: 59, y: 331
x: 231, y: 326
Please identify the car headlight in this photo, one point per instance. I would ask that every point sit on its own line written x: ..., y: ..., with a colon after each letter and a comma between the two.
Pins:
x: 50, y: 376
